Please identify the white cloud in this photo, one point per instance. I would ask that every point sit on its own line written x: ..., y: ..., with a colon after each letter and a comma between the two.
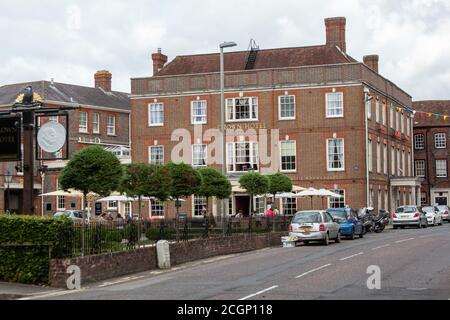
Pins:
x: 48, y: 39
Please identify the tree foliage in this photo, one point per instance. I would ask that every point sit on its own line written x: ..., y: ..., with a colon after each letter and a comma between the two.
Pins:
x: 214, y: 184
x: 92, y: 169
x: 279, y: 182
x: 186, y: 181
x: 254, y: 183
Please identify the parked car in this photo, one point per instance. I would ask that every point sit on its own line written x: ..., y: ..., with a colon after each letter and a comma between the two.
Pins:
x: 444, y: 213
x: 75, y: 215
x: 433, y: 215
x: 409, y: 216
x: 313, y: 225
x: 349, y: 225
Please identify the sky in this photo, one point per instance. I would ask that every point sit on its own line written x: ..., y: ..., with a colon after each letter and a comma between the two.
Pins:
x: 70, y: 40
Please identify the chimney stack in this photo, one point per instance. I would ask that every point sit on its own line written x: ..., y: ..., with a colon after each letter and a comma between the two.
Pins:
x: 103, y: 80
x: 372, y: 62
x: 159, y: 60
x: 335, y: 32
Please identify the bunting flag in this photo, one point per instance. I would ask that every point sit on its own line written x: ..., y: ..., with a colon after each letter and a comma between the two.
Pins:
x: 421, y: 114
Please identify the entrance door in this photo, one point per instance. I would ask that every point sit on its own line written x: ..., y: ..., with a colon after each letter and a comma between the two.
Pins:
x: 243, y: 205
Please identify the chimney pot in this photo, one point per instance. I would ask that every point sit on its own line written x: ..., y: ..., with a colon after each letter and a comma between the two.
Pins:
x: 103, y: 80
x: 159, y: 60
x: 372, y: 62
x: 335, y: 32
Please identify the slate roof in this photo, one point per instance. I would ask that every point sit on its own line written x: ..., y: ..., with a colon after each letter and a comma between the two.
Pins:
x: 68, y: 93
x: 266, y: 59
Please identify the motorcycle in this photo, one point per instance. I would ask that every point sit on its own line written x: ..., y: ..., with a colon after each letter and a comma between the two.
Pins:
x: 380, y: 222
x: 365, y: 216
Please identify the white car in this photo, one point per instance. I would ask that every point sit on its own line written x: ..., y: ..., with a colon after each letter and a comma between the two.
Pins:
x: 444, y: 213
x: 314, y: 225
x: 409, y: 216
x: 433, y: 216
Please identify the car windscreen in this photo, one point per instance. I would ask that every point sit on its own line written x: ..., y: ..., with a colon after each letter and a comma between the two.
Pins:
x: 60, y: 214
x: 442, y: 208
x: 339, y: 216
x: 78, y: 215
x: 307, y: 217
x: 428, y: 209
x: 406, y: 210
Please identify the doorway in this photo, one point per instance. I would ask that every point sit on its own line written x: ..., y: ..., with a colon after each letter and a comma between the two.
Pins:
x: 243, y: 205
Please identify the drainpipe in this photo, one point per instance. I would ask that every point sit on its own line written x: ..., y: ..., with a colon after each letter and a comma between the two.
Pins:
x: 367, y: 98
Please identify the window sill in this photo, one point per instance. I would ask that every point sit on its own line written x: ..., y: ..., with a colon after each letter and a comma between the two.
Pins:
x: 81, y: 131
x: 156, y: 125
x: 334, y: 117
x: 335, y: 170
x: 112, y: 135
x: 198, y: 123
x: 242, y: 120
x: 286, y: 119
x: 288, y: 171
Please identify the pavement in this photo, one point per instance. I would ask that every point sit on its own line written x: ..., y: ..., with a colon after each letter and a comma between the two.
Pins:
x: 412, y: 264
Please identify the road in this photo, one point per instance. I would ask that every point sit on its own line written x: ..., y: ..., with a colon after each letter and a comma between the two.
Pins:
x: 414, y: 264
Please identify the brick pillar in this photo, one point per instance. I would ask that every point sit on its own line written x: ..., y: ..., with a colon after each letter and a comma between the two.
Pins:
x: 372, y: 62
x: 335, y: 32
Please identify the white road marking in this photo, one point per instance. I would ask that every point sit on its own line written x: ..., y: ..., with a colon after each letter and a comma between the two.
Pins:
x: 311, y: 271
x: 383, y: 246
x: 404, y: 240
x: 355, y: 255
x: 50, y: 295
x: 258, y: 293
x: 106, y: 284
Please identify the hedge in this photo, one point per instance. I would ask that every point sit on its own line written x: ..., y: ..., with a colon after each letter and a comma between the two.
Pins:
x: 24, y: 240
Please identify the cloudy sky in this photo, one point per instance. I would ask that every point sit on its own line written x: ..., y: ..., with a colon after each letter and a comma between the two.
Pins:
x: 70, y: 40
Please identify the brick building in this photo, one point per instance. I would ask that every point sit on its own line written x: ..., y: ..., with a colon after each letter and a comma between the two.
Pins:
x: 432, y: 150
x: 102, y: 119
x: 314, y: 96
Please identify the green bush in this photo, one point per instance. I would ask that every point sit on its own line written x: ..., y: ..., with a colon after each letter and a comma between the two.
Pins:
x: 29, y: 262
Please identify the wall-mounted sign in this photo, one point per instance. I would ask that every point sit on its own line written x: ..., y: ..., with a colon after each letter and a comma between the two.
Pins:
x: 51, y: 137
x: 246, y: 126
x: 10, y: 139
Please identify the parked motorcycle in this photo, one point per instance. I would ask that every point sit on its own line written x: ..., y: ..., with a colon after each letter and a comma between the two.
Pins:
x: 380, y: 222
x: 365, y: 216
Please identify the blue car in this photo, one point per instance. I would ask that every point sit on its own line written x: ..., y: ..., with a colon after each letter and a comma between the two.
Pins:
x: 349, y: 225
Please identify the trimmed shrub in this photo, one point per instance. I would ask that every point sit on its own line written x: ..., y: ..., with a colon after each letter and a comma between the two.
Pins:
x: 24, y: 250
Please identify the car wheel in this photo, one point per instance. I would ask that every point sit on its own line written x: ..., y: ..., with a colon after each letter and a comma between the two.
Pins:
x: 440, y: 222
x: 420, y: 225
x: 352, y: 236
x: 425, y: 225
x: 338, y: 238
x: 326, y: 241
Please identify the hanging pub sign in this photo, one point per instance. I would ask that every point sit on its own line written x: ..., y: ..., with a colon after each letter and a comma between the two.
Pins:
x: 10, y: 139
x: 52, y: 139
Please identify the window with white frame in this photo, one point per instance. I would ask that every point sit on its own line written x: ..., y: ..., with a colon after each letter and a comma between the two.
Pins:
x: 260, y: 205
x: 336, y: 157
x: 288, y: 156
x: 441, y: 168
x: 156, y: 114
x: 383, y: 111
x: 399, y: 168
x: 393, y: 160
x: 337, y: 202
x: 111, y: 128
x: 440, y: 141
x: 61, y: 202
x: 420, y: 168
x: 156, y: 208
x: 419, y: 141
x: 377, y: 111
x: 385, y: 162
x: 369, y: 109
x: 239, y: 109
x: 289, y: 206
x: 157, y: 155
x: 378, y: 157
x: 96, y: 123
x: 199, y: 155
x: 113, y: 205
x: 199, y: 208
x: 286, y: 107
x: 198, y: 112
x: 335, y: 105
x: 242, y: 156
x: 370, y: 153
x: 391, y: 118
x: 83, y: 125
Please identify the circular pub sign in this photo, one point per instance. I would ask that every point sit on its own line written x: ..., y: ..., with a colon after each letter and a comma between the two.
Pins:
x: 52, y: 137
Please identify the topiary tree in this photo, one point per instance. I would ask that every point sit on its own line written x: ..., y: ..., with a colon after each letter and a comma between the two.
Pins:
x: 255, y: 183
x: 214, y: 184
x: 278, y: 183
x: 92, y: 169
x: 141, y: 179
x: 185, y: 181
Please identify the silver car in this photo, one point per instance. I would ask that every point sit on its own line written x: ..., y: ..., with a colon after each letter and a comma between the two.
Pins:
x: 409, y: 216
x: 444, y: 213
x: 314, y: 225
x: 75, y: 215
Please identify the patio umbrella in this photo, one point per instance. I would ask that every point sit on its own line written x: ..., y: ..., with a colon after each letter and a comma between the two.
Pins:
x: 68, y: 193
x: 297, y: 189
x: 310, y: 192
x: 328, y: 194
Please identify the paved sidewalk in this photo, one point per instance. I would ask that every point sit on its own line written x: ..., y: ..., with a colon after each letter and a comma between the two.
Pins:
x: 11, y: 291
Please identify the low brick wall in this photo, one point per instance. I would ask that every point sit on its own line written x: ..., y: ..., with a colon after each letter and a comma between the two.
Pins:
x: 205, y: 248
x: 103, y: 266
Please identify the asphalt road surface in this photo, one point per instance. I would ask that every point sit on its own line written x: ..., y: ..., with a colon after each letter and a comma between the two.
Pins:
x: 413, y: 264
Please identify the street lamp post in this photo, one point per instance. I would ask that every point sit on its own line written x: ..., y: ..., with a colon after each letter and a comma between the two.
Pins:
x: 222, y: 118
x: 8, y: 180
